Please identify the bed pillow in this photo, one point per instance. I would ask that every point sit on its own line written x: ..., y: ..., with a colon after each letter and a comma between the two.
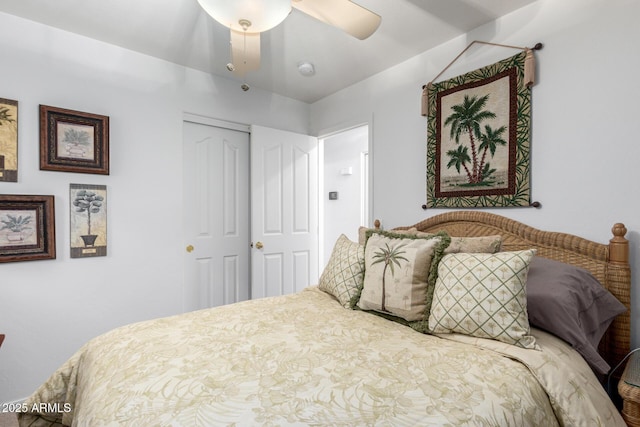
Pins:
x: 572, y: 304
x: 400, y: 273
x: 478, y: 244
x: 362, y: 233
x: 344, y: 273
x: 483, y: 295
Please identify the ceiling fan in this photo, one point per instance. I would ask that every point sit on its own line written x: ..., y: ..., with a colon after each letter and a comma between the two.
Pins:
x: 246, y: 19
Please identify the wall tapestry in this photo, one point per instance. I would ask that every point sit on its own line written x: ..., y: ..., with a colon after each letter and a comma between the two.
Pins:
x: 478, y: 136
x: 8, y: 140
x: 88, y: 220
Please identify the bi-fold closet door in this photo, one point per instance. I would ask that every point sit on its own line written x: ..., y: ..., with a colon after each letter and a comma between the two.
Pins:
x: 250, y: 212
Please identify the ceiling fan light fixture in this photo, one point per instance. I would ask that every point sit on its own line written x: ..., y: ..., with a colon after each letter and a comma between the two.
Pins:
x: 262, y: 14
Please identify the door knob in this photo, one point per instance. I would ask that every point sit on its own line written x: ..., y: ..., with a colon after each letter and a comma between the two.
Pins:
x: 190, y: 248
x: 259, y: 245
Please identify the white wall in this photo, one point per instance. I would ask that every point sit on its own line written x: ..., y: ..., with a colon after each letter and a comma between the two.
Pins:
x: 343, y: 216
x: 585, y: 146
x: 48, y: 309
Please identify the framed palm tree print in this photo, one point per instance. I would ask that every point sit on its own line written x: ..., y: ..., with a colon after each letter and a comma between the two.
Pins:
x: 478, y: 138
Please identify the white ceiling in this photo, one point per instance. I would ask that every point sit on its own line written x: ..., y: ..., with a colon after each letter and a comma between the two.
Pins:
x: 179, y: 31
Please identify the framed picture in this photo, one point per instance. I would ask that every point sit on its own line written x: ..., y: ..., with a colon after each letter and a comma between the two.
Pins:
x: 8, y: 140
x: 27, y: 228
x: 73, y: 141
x: 88, y: 220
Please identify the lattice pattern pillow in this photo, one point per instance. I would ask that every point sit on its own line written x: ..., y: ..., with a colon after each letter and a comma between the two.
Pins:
x: 344, y: 273
x: 483, y: 295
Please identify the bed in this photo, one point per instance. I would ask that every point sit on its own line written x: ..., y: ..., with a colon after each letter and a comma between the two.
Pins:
x: 317, y: 357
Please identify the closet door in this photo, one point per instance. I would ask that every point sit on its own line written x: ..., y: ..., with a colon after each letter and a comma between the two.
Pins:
x: 216, y: 214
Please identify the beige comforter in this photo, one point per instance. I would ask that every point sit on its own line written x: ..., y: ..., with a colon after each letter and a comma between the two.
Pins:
x: 303, y: 359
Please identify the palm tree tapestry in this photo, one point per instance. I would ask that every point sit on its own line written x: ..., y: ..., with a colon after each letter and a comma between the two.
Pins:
x: 478, y: 138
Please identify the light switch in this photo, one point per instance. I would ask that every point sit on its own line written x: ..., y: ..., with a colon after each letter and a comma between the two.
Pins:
x: 346, y: 171
x: 333, y: 195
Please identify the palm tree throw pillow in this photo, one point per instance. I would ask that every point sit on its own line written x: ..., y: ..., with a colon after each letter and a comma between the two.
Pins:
x: 400, y: 273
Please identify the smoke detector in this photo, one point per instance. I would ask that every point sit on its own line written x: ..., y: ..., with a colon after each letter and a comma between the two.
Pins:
x: 306, y: 68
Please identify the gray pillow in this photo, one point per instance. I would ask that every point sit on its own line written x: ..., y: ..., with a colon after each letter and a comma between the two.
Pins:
x: 570, y: 303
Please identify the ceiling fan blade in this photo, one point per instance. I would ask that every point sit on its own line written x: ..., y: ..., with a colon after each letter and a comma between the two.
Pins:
x: 344, y: 14
x: 245, y: 52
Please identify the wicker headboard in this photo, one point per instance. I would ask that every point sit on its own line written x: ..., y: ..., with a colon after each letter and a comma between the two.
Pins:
x: 609, y: 263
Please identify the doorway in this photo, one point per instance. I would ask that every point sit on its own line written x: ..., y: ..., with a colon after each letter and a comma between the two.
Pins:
x: 345, y: 178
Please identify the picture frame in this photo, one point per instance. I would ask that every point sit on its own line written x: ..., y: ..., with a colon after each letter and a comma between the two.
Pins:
x: 8, y: 140
x: 88, y: 220
x: 73, y: 141
x: 27, y: 228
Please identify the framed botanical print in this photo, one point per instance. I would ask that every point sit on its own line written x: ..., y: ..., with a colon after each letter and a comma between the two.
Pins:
x: 27, y: 228
x: 88, y: 220
x: 73, y: 141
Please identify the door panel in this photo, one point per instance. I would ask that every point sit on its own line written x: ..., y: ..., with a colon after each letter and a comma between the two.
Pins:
x: 301, y: 267
x: 232, y: 284
x: 216, y: 215
x: 284, y: 184
x: 272, y: 179
x: 301, y: 187
x: 272, y: 272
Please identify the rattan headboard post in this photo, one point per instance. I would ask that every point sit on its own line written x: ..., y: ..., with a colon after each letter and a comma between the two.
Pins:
x: 609, y: 263
x: 619, y: 245
x: 618, y: 338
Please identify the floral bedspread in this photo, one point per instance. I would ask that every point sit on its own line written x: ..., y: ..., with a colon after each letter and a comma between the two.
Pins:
x: 303, y: 359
